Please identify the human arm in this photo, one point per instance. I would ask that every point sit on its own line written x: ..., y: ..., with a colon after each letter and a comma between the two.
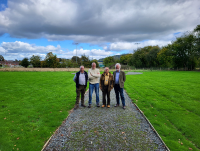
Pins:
x: 96, y: 75
x: 74, y: 78
x: 124, y: 77
x: 90, y: 75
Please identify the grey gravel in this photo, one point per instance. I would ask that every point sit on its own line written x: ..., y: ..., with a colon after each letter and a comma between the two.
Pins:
x: 105, y: 129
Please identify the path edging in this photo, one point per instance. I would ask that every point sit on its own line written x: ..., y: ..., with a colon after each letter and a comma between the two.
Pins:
x: 45, y: 145
x: 149, y: 123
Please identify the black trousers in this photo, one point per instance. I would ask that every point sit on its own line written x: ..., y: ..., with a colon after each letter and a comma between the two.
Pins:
x: 81, y: 90
x: 106, y: 93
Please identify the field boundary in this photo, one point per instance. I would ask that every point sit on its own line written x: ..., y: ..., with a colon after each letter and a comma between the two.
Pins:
x: 149, y: 123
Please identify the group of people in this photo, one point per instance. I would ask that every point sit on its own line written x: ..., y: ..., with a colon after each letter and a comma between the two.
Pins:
x: 106, y: 82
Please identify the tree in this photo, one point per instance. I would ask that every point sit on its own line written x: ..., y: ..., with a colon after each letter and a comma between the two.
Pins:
x: 73, y: 60
x: 51, y: 60
x: 1, y: 58
x: 35, y: 61
x: 124, y: 59
x: 85, y: 61
x: 165, y: 57
x: 108, y: 60
x: 25, y: 63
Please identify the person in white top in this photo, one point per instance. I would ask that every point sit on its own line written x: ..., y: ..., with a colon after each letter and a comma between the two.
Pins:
x: 93, y: 76
x: 80, y: 78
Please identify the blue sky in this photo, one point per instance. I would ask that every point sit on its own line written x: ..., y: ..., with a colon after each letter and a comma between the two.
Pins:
x: 102, y: 28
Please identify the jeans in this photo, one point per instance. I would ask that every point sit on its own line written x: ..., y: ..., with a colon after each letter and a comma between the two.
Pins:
x: 121, y: 91
x: 91, y: 88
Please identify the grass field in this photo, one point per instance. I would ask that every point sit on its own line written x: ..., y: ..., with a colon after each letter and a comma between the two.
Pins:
x: 32, y: 106
x: 171, y: 101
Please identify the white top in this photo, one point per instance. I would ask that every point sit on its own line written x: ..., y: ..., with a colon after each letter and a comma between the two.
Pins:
x: 93, y: 75
x: 81, y: 78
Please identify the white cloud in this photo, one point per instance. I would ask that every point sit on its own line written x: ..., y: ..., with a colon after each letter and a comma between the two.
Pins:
x: 19, y: 50
x: 118, y: 46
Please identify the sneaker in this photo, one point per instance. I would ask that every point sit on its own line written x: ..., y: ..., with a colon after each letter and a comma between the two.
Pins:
x: 116, y: 105
x: 98, y: 105
x: 108, y: 106
x: 76, y: 107
x: 89, y: 106
x: 124, y: 107
x: 83, y: 105
x: 103, y: 106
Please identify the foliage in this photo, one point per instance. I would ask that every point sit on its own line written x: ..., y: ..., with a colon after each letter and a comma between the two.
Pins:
x: 35, y: 61
x: 51, y: 60
x: 73, y: 60
x: 145, y: 57
x: 1, y: 58
x: 165, y: 57
x: 85, y: 61
x: 171, y: 101
x: 25, y: 63
x: 108, y: 60
x: 124, y: 59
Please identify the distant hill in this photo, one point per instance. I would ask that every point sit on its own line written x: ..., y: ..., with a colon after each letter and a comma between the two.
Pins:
x: 116, y: 57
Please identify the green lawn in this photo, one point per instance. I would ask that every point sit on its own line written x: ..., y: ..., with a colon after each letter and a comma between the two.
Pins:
x: 32, y: 106
x: 171, y: 101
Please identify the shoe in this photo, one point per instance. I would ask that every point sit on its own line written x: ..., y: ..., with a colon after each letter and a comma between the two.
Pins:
x: 116, y: 105
x: 98, y: 105
x: 124, y: 107
x: 89, y: 106
x: 83, y: 105
x: 108, y: 106
x: 103, y: 106
x: 76, y: 107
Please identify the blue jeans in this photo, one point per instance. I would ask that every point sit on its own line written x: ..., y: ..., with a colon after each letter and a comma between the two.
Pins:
x: 121, y: 91
x: 91, y: 88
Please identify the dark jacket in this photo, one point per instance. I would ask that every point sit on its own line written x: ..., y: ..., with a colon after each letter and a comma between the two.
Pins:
x: 77, y: 79
x: 110, y: 81
x: 122, y: 78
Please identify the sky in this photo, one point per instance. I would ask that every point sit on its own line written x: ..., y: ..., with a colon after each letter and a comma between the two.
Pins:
x: 100, y: 27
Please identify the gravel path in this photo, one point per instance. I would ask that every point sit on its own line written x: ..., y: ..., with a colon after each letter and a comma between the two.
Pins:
x: 105, y: 129
x: 133, y: 73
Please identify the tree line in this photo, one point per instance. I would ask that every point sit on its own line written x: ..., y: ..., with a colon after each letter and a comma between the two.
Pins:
x: 51, y: 61
x: 184, y: 52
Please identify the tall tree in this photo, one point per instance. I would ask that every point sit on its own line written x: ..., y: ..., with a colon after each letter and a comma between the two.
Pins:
x: 108, y: 60
x: 85, y: 61
x: 1, y: 58
x: 51, y: 60
x: 124, y: 59
x: 25, y: 63
x: 35, y: 61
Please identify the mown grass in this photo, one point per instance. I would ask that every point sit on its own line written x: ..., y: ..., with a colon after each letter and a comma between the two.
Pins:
x: 32, y: 106
x: 171, y: 101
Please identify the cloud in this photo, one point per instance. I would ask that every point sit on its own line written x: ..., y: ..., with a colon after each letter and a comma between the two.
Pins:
x: 19, y: 50
x: 118, y: 46
x: 99, y: 22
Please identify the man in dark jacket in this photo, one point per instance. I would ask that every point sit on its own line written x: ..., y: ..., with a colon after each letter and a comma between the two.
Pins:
x: 106, y: 85
x: 80, y: 79
x: 119, y: 79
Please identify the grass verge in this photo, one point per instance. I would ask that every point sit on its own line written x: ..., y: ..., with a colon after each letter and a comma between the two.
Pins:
x: 171, y: 101
x: 32, y: 106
